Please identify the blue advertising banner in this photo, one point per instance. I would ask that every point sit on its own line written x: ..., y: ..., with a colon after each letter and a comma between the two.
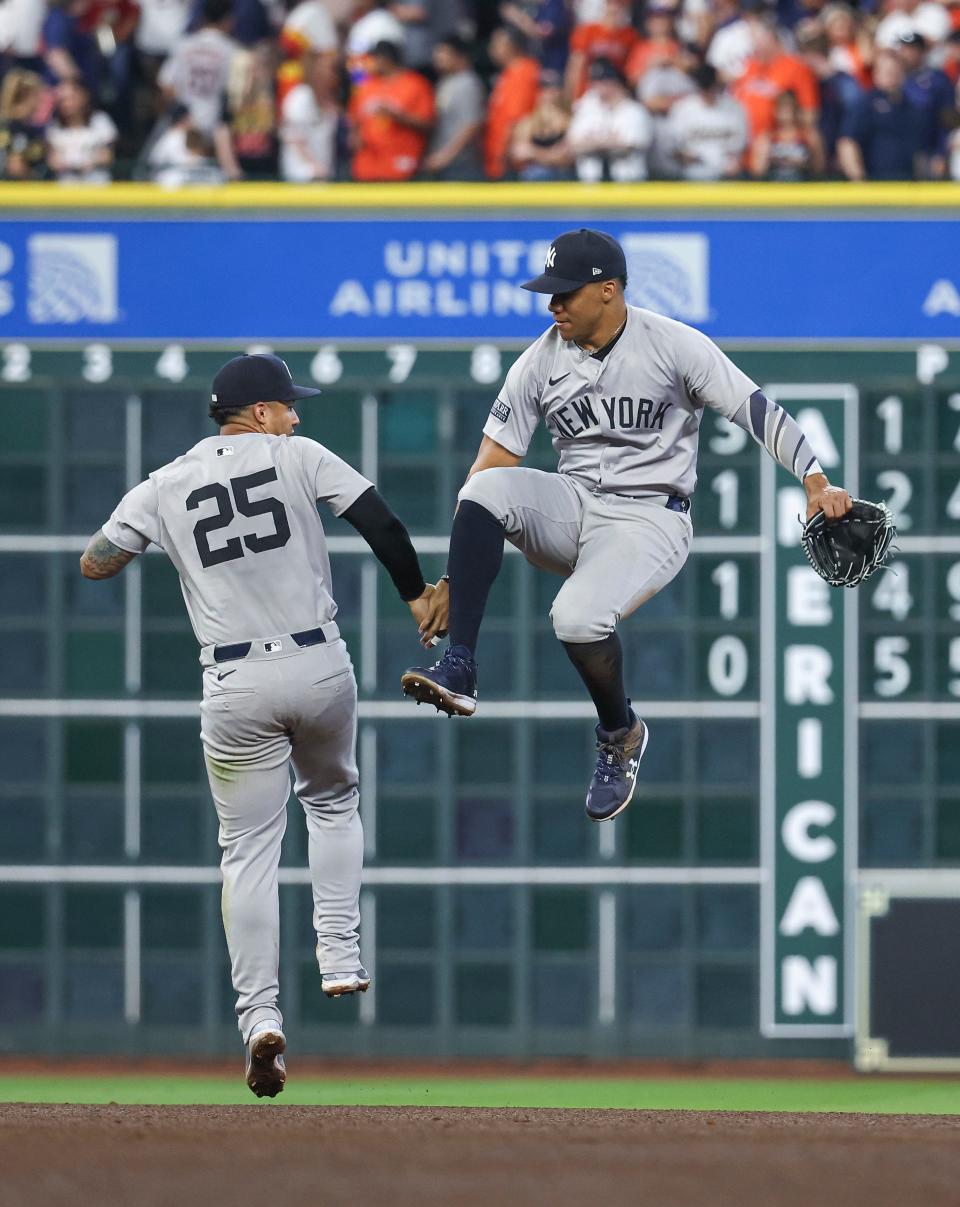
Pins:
x: 238, y: 279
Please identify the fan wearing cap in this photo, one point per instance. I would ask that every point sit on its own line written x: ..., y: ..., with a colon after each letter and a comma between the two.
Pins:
x: 610, y: 132
x: 237, y: 515
x: 622, y: 392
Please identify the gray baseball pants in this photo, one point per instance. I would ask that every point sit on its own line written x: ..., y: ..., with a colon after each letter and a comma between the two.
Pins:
x: 615, y: 552
x: 260, y: 715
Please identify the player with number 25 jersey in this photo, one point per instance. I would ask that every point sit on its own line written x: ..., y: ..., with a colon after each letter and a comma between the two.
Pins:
x: 237, y: 515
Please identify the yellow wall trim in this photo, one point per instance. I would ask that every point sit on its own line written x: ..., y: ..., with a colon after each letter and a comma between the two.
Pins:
x: 22, y: 198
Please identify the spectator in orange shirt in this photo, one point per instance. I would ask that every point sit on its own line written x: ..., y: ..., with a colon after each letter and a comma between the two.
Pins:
x: 657, y: 47
x: 612, y: 39
x: 392, y: 112
x: 514, y: 95
x: 770, y: 71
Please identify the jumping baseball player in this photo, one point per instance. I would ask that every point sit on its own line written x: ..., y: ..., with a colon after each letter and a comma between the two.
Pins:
x: 237, y: 515
x: 622, y: 392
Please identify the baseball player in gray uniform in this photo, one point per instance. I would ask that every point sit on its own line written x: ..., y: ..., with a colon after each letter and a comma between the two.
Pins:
x: 622, y: 392
x: 237, y: 515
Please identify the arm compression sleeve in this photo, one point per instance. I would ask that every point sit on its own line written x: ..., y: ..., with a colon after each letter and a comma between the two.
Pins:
x: 388, y: 539
x: 779, y: 433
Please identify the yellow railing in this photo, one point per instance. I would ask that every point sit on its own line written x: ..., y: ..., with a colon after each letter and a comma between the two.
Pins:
x: 418, y: 196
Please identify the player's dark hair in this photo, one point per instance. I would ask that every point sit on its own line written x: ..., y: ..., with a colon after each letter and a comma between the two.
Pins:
x: 623, y: 282
x: 222, y: 412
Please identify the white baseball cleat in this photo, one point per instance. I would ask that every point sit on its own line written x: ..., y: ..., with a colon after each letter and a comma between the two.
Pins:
x: 266, y: 1071
x: 336, y: 984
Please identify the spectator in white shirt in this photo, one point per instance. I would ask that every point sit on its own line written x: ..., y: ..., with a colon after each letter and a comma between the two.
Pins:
x: 79, y: 141
x: 309, y: 119
x: 660, y: 87
x: 706, y: 132
x: 197, y: 73
x: 610, y: 131
x: 182, y: 155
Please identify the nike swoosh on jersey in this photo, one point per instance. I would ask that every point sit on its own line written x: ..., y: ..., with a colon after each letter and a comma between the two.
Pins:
x: 223, y: 674
x: 555, y: 381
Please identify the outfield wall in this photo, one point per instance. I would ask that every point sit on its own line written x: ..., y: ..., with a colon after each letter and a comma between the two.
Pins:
x: 496, y: 921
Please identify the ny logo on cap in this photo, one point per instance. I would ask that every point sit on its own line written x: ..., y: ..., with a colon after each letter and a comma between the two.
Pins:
x: 551, y: 257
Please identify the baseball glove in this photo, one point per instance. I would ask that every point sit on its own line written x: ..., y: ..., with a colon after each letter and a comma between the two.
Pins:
x: 847, y: 551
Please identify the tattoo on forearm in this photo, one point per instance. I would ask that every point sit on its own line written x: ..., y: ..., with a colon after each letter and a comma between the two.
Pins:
x: 102, y: 558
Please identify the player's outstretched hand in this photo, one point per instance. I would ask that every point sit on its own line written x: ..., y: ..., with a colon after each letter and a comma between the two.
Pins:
x: 833, y: 501
x: 432, y: 613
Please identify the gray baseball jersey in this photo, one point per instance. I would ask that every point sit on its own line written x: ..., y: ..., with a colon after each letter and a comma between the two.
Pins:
x: 237, y: 515
x: 629, y: 424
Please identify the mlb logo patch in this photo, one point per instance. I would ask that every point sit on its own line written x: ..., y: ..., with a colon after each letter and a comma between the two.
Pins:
x: 500, y: 411
x: 226, y: 451
x: 271, y: 647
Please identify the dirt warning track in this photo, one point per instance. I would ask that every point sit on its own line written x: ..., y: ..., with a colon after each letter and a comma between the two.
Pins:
x: 391, y: 1157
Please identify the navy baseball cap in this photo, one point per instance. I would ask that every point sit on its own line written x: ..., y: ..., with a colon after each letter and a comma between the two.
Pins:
x: 261, y: 378
x: 576, y: 258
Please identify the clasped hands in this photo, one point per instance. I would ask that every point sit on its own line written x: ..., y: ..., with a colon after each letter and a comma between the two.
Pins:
x: 431, y: 611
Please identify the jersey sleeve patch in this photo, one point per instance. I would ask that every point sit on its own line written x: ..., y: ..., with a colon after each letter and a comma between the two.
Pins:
x: 500, y: 411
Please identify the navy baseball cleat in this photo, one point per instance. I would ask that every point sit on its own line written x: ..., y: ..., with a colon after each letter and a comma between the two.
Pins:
x: 450, y: 685
x: 266, y: 1071
x: 336, y: 984
x: 614, y: 781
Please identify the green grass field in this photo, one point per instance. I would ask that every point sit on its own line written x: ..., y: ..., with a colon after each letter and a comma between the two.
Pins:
x: 886, y: 1096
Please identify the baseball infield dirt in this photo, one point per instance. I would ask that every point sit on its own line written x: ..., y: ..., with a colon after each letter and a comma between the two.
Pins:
x: 386, y: 1157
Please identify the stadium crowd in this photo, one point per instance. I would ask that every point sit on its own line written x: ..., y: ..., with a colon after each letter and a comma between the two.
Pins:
x: 202, y: 91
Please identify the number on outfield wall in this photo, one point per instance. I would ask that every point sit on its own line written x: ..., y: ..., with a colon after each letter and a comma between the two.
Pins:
x: 16, y: 363
x: 727, y: 665
x: 892, y: 592
x: 953, y: 590
x: 326, y: 367
x: 890, y: 413
x: 728, y: 438
x: 726, y: 576
x: 899, y: 491
x: 172, y: 363
x: 402, y: 358
x: 726, y: 486
x: 97, y: 363
x: 891, y: 666
x: 486, y: 364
